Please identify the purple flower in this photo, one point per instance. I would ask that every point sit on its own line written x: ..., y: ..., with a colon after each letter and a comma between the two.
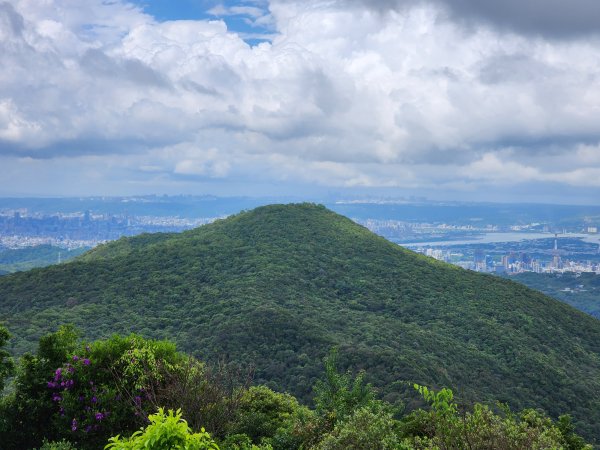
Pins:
x: 71, y: 369
x: 57, y: 374
x: 138, y: 400
x: 94, y: 399
x: 87, y: 348
x: 81, y: 398
x: 99, y: 416
x: 52, y: 384
x: 75, y: 358
x: 74, y: 425
x: 86, y: 362
x: 88, y: 428
x: 56, y: 398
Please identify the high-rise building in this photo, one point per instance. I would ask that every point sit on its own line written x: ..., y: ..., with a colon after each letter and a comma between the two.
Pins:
x: 556, y: 261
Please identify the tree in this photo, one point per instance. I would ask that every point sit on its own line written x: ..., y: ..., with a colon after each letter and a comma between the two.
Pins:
x: 371, y: 427
x: 26, y: 416
x: 7, y: 365
x: 110, y: 386
x: 338, y: 395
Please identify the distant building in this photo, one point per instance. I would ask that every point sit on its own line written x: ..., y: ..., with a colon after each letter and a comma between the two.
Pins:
x: 556, y: 260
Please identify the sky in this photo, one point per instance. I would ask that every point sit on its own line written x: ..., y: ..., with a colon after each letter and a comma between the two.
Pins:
x: 476, y: 100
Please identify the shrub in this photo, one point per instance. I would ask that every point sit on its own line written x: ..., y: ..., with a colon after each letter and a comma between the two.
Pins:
x: 371, y: 427
x: 165, y: 432
x: 110, y: 386
x: 57, y: 445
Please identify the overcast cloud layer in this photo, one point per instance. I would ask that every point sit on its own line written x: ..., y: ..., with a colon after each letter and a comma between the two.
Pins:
x: 549, y: 18
x: 448, y: 95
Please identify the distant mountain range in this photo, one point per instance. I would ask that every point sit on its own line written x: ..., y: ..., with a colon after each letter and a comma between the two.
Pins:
x: 278, y: 286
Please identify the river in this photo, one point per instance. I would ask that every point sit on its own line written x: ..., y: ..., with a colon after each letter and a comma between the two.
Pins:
x: 490, y: 238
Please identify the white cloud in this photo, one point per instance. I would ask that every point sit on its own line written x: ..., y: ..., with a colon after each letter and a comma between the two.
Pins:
x: 341, y: 97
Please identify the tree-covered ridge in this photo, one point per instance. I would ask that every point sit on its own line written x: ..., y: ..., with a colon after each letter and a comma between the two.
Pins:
x: 277, y: 286
x: 71, y: 395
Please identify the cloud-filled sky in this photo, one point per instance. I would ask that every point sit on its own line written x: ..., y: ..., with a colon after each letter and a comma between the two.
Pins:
x: 461, y: 99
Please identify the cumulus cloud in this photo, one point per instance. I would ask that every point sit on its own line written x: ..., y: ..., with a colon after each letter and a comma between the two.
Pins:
x: 350, y: 94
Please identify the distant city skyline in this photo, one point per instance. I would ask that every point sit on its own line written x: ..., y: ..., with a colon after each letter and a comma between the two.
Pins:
x: 470, y: 100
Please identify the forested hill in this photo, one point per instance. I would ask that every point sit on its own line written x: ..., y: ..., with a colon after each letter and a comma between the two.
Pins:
x: 280, y: 285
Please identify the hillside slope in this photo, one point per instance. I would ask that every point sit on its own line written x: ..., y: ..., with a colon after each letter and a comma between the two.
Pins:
x: 279, y: 285
x: 580, y: 290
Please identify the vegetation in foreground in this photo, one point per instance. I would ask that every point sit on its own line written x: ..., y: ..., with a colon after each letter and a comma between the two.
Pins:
x: 131, y: 393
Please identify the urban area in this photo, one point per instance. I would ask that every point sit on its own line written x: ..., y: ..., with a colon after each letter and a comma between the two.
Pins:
x: 500, y: 249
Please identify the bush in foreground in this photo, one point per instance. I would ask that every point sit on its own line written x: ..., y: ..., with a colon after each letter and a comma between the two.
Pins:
x: 166, y: 431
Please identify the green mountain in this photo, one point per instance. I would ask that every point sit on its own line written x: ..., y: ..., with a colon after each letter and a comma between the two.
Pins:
x: 278, y: 286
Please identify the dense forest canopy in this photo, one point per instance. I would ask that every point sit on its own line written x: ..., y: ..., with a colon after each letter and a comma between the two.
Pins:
x: 276, y: 287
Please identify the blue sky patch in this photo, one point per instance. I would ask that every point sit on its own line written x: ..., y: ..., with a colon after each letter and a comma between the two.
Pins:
x: 250, y: 19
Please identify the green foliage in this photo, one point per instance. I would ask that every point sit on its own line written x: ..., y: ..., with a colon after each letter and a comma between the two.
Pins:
x: 441, y: 402
x: 242, y: 442
x: 275, y: 287
x: 580, y: 290
x: 443, y: 410
x: 107, y: 387
x: 57, y: 445
x: 273, y: 419
x: 167, y: 431
x: 7, y: 365
x: 337, y: 395
x: 567, y: 430
x: 111, y: 385
x: 85, y: 392
x: 261, y: 412
x: 369, y: 427
x: 26, y: 416
x: 444, y: 427
x: 210, y: 395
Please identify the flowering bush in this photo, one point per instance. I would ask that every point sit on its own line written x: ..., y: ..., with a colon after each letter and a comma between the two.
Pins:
x: 82, y: 402
x: 110, y: 385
